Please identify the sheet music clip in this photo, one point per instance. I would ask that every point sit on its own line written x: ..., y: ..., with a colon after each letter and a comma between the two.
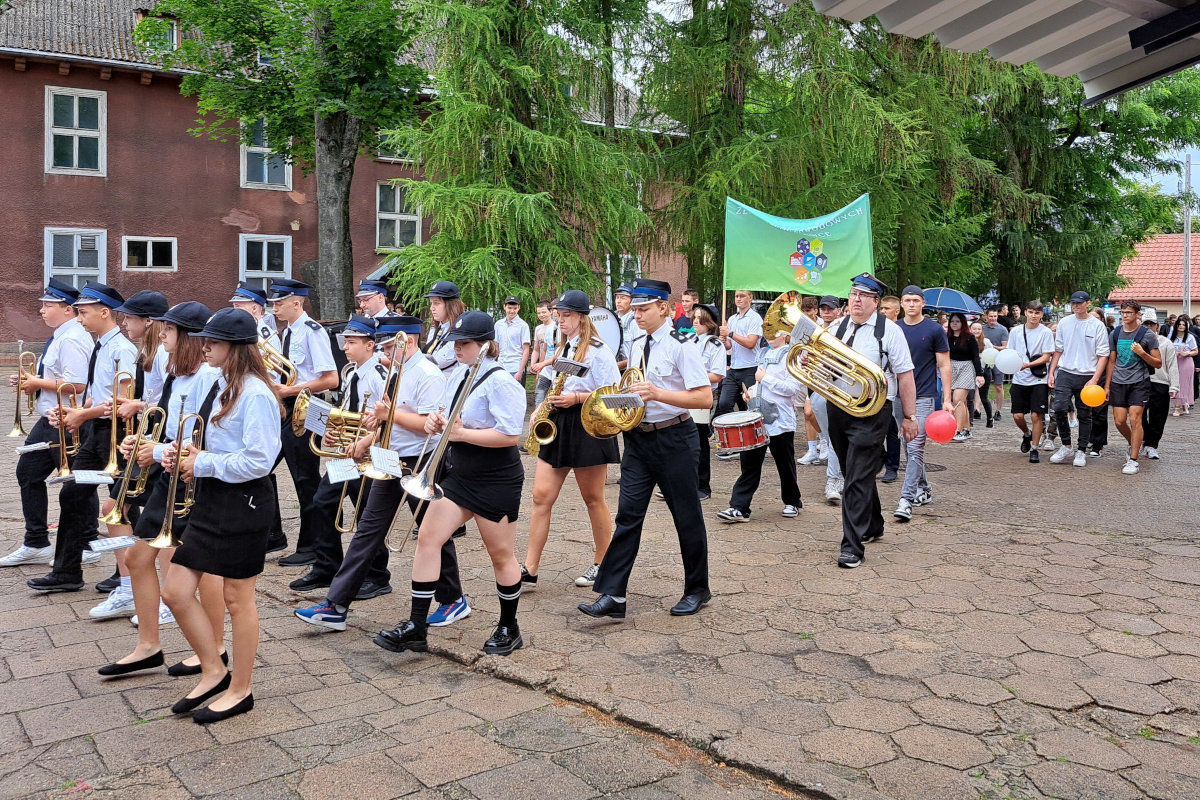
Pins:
x: 621, y: 401
x: 34, y: 448
x: 112, y: 543
x: 572, y: 369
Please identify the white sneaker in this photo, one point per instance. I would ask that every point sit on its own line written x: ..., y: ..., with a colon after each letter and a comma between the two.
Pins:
x: 1062, y: 454
x: 1080, y: 458
x: 28, y: 555
x: 924, y: 497
x: 118, y: 604
x: 1152, y: 452
x: 790, y: 511
x: 589, y: 577
x: 1074, y: 423
x: 165, y: 617
x: 833, y: 491
x: 903, y: 510
x: 92, y: 557
x: 809, y: 458
x: 1130, y: 468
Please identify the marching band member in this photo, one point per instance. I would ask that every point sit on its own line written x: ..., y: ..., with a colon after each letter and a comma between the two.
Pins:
x: 226, y: 532
x: 622, y: 298
x: 180, y: 395
x: 64, y: 359
x: 372, y: 297
x: 254, y: 303
x: 306, y: 344
x: 662, y: 450
x: 445, y: 307
x: 79, y: 505
x: 483, y: 482
x: 706, y: 321
x: 364, y: 384
x: 572, y: 448
x: 422, y: 386
x: 149, y: 375
x: 774, y: 387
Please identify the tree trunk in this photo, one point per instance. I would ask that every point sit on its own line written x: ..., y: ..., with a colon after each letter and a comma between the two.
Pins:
x: 337, y: 142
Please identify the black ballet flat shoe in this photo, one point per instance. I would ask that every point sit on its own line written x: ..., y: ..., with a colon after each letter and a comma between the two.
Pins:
x: 504, y: 640
x: 690, y: 603
x: 189, y: 703
x: 604, y: 607
x: 404, y: 637
x: 182, y: 670
x: 206, y: 715
x: 117, y: 668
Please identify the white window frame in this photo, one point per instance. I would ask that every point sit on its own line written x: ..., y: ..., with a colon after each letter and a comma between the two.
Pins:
x: 245, y: 150
x: 411, y: 217
x: 102, y: 133
x: 245, y: 273
x: 48, y: 269
x: 125, y: 240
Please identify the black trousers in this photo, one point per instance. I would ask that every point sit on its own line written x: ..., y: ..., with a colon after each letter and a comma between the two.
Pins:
x: 1099, y: 436
x: 892, y: 460
x: 305, y: 466
x: 665, y: 458
x: 704, y: 465
x: 1067, y: 386
x: 78, y: 503
x: 367, y: 548
x: 328, y: 544
x: 858, y: 443
x: 1154, y: 419
x: 729, y: 392
x: 783, y: 450
x: 32, y: 471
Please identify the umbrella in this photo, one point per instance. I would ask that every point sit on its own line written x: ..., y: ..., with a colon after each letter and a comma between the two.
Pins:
x: 949, y: 300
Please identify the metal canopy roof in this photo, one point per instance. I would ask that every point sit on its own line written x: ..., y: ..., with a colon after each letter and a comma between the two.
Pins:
x: 1112, y: 45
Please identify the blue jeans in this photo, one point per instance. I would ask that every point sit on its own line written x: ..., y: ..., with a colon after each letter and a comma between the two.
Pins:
x: 914, y: 472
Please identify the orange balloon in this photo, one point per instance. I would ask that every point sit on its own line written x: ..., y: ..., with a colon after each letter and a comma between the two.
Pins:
x: 1092, y: 396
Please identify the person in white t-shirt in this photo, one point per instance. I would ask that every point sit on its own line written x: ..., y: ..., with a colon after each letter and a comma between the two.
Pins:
x: 1080, y: 359
x: 1029, y: 393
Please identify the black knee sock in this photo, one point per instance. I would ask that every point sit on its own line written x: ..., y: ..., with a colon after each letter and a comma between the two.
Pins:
x: 422, y: 597
x: 510, y: 597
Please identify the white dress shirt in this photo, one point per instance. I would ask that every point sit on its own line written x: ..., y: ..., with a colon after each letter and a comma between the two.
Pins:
x: 498, y: 403
x: 601, y: 364
x: 194, y: 387
x: 117, y: 354
x: 712, y: 356
x: 674, y: 365
x: 746, y: 324
x: 243, y: 445
x: 512, y: 336
x: 778, y: 387
x: 309, y: 350
x: 371, y: 377
x: 152, y: 382
x: 895, y: 345
x: 422, y: 389
x: 64, y: 359
x: 443, y: 355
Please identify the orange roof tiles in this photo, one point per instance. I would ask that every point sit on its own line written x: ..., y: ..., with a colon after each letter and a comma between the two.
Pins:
x: 1155, y: 273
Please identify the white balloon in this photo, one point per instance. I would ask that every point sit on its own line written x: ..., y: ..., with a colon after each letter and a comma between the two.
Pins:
x: 988, y: 356
x: 1009, y: 361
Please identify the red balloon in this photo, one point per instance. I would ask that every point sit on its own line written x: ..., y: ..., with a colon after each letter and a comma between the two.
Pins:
x: 941, y: 426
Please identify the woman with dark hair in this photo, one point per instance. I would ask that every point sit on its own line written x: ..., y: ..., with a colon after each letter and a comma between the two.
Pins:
x: 483, y: 482
x: 1185, y: 353
x: 966, y: 370
x: 226, y: 531
x: 706, y: 322
x: 445, y: 307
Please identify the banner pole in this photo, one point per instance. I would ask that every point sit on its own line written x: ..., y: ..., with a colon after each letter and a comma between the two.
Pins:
x: 723, y: 293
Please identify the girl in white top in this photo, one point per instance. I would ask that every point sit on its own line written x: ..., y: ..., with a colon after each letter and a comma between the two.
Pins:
x: 573, y: 448
x: 712, y: 356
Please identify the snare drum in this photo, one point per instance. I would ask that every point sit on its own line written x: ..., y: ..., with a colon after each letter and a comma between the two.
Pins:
x: 740, y: 431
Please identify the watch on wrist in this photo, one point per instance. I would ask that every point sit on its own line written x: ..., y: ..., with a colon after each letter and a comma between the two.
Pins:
x: 911, y: 417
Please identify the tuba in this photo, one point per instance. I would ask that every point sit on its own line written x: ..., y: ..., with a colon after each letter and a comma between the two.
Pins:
x: 837, y: 372
x: 276, y: 362
x: 783, y: 315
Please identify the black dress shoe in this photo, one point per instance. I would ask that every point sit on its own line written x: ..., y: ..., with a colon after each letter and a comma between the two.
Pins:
x: 117, y: 668
x: 206, y: 715
x: 369, y: 590
x: 300, y: 558
x: 460, y: 532
x: 405, y: 636
x: 889, y: 475
x: 310, y: 582
x: 704, y: 495
x: 55, y: 583
x: 108, y: 584
x: 690, y: 603
x: 504, y: 640
x: 604, y: 607
x: 276, y: 544
x: 181, y: 669
x: 188, y: 703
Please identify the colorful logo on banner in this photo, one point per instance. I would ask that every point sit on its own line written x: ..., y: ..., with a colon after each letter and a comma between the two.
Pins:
x: 825, y: 253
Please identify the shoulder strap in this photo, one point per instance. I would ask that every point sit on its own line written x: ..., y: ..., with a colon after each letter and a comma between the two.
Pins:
x: 845, y: 323
x: 880, y: 326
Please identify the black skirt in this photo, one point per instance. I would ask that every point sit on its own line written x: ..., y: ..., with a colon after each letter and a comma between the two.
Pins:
x: 573, y: 446
x: 486, y: 481
x: 227, y: 530
x: 154, y: 504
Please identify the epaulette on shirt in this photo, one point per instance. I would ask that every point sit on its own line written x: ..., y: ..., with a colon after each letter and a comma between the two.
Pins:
x: 680, y: 336
x: 312, y: 323
x: 382, y: 370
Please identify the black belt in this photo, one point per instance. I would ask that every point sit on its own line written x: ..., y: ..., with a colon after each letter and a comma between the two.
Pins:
x: 647, y: 427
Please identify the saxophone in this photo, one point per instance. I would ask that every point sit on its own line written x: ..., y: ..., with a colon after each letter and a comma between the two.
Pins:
x: 542, y: 429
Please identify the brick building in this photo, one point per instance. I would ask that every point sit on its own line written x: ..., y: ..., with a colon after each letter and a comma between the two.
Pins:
x: 103, y: 180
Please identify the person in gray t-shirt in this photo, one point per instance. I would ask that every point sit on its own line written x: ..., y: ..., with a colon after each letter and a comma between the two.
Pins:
x: 997, y: 334
x: 1127, y: 384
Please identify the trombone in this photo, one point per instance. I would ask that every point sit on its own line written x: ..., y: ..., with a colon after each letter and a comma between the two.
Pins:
x: 117, y: 515
x: 112, y: 467
x: 68, y: 443
x: 18, y: 428
x: 167, y: 536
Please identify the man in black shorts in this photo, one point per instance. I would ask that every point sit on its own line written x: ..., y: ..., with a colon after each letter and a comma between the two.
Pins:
x: 1029, y: 393
x: 1127, y: 384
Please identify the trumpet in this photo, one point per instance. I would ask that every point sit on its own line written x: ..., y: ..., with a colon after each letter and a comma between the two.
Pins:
x: 68, y: 443
x: 275, y: 361
x: 18, y: 428
x: 837, y: 372
x: 167, y: 536
x: 117, y: 515
x: 112, y: 467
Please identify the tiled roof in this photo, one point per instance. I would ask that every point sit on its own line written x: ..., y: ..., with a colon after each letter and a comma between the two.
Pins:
x: 1156, y: 272
x: 81, y: 28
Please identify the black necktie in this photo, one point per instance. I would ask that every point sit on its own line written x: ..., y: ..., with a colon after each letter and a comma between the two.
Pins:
x: 164, y: 401
x: 646, y: 352
x: 353, y: 393
x: 91, y: 370
x: 206, y: 409
x: 42, y: 362
x: 287, y: 343
x: 853, y: 333
x: 139, y: 380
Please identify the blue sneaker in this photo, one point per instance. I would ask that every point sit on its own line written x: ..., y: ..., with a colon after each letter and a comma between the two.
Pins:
x: 324, y: 615
x: 448, y: 613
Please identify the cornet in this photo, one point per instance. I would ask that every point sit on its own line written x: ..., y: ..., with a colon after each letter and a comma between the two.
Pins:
x: 112, y: 467
x: 18, y: 428
x: 68, y: 443
x: 167, y: 537
x: 117, y: 515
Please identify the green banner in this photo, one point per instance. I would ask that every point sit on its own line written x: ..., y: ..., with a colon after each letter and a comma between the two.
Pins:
x: 813, y: 256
